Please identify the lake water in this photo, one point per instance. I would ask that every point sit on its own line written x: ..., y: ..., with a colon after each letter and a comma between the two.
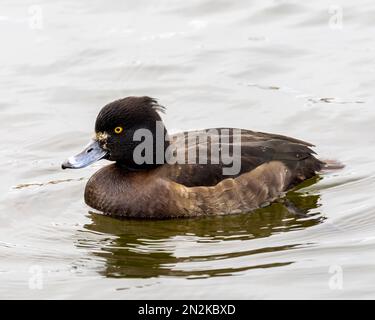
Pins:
x: 302, y: 69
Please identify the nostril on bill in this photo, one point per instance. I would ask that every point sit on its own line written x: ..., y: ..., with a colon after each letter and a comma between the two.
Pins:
x: 89, y: 150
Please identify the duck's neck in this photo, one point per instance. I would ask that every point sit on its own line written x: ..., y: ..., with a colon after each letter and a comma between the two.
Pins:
x: 156, y: 158
x: 138, y: 167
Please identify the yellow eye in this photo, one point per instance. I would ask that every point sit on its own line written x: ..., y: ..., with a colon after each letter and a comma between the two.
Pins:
x: 118, y: 130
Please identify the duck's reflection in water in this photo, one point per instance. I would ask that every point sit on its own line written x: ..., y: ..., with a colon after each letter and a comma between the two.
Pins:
x: 191, y: 247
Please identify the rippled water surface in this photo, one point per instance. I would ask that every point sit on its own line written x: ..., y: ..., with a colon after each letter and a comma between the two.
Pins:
x: 302, y: 69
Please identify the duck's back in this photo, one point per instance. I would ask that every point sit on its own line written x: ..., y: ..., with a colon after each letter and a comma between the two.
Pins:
x: 256, y: 148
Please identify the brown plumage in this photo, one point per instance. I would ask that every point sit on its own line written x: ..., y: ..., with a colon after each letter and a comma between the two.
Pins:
x: 270, y: 165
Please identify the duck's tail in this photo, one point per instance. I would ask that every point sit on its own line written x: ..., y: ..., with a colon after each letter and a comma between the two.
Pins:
x: 330, y: 164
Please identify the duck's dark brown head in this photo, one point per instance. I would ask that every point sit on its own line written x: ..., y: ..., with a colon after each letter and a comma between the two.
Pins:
x: 129, y: 131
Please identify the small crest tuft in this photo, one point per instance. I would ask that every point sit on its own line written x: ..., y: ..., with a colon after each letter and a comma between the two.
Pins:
x: 157, y: 107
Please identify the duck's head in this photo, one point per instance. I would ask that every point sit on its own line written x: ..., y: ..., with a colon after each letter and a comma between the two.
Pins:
x: 120, y: 127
